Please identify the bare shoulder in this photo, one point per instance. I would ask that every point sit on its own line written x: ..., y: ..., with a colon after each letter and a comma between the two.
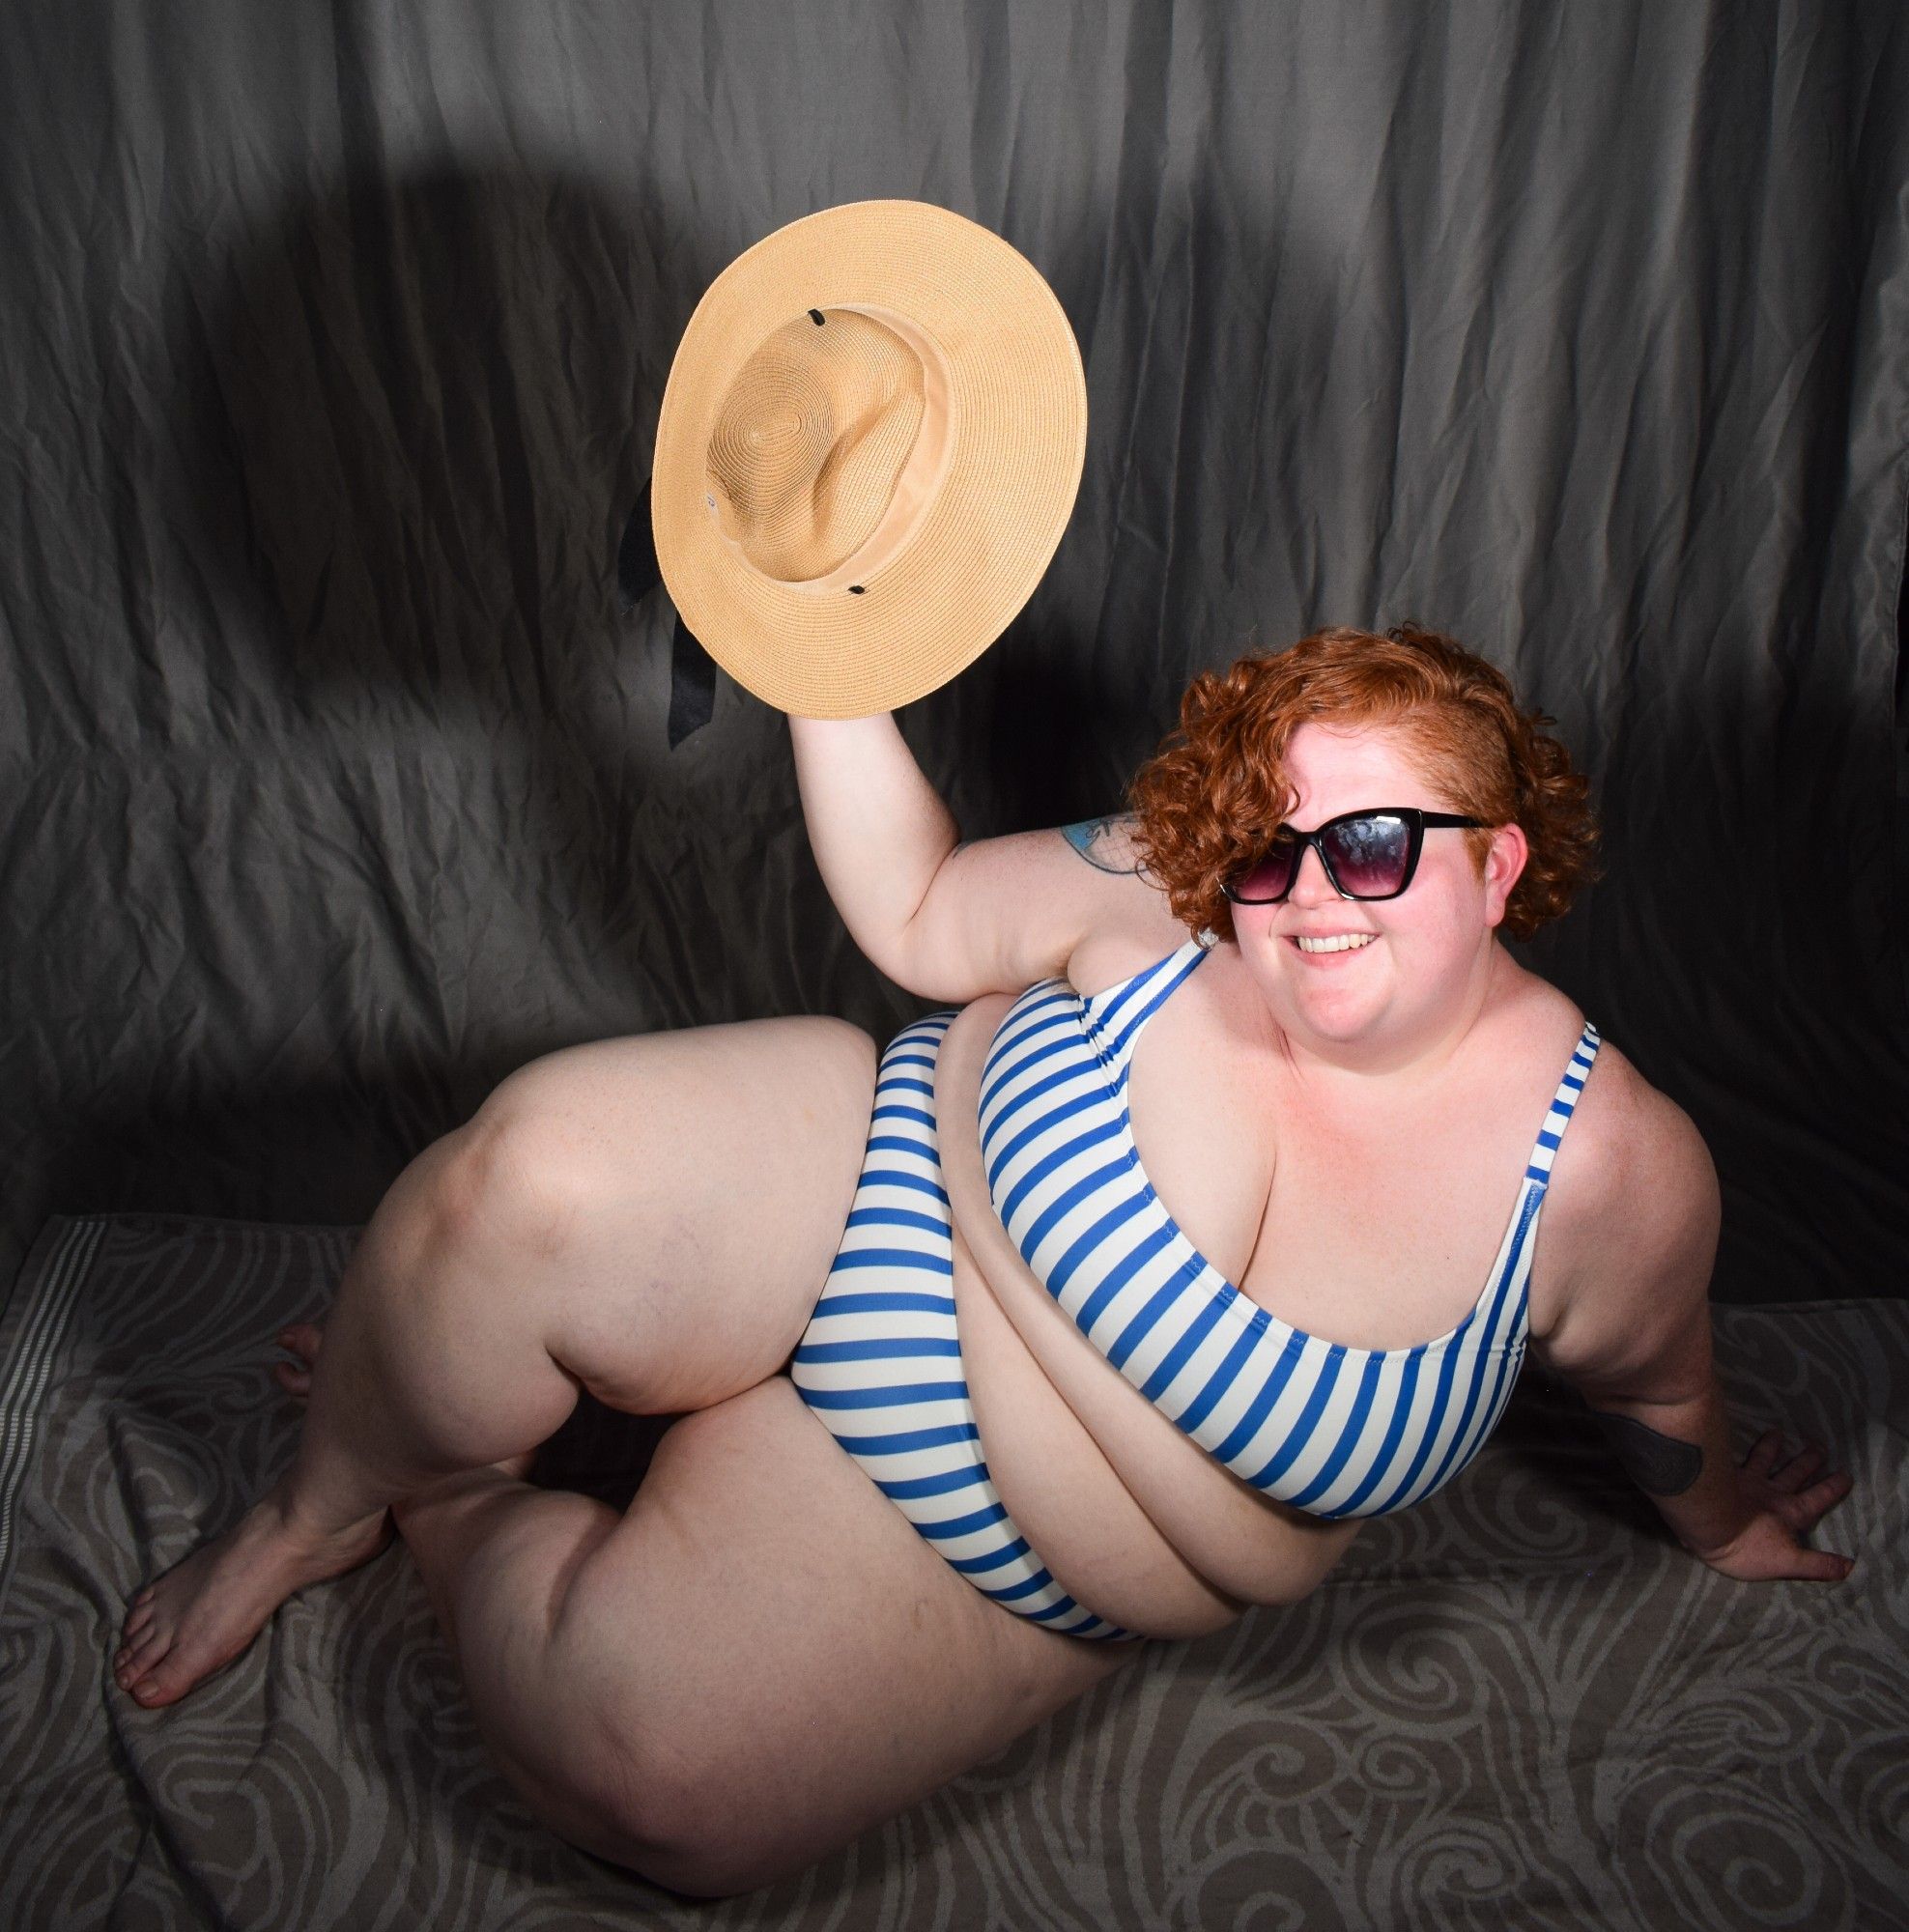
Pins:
x: 1129, y: 930
x: 1623, y: 1132
x: 1632, y: 1195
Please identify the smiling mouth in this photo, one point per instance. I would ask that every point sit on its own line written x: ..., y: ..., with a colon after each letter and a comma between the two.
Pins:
x: 1340, y: 942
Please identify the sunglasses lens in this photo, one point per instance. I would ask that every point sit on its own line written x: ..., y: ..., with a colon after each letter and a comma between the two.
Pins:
x: 1269, y: 875
x: 1369, y: 855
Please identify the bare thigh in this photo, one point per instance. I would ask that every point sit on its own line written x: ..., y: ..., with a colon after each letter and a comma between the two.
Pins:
x: 773, y: 1660
x: 671, y: 1201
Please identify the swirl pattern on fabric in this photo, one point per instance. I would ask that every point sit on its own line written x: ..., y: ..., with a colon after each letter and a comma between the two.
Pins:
x: 1519, y: 1704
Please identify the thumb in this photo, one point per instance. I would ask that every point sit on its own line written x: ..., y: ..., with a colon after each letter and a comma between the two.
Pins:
x: 1822, y: 1565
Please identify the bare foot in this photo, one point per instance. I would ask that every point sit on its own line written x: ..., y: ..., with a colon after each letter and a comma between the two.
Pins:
x: 301, y: 1341
x: 200, y: 1615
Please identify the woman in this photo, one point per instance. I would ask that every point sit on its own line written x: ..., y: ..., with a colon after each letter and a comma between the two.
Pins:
x: 1340, y: 1096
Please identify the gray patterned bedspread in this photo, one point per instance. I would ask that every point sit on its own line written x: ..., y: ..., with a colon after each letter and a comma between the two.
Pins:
x: 1518, y: 1706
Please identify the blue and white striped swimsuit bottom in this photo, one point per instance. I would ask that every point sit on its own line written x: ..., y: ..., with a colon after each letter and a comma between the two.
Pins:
x: 880, y: 1363
x: 1339, y: 1432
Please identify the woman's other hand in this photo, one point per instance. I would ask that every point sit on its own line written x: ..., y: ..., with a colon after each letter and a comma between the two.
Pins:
x: 1784, y: 1499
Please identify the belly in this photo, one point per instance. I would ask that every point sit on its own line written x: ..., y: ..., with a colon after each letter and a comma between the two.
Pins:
x: 1130, y: 1515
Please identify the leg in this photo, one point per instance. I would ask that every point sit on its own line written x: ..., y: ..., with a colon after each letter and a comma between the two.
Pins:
x: 650, y: 1218
x: 758, y: 1661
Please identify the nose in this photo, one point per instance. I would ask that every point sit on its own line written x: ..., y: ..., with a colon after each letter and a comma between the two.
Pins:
x: 1310, y: 885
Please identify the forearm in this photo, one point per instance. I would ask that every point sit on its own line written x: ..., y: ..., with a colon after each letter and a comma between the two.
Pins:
x: 878, y: 828
x: 1632, y: 1333
x: 1679, y: 1453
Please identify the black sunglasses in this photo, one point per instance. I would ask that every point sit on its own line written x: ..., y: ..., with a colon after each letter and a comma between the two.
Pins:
x: 1367, y: 855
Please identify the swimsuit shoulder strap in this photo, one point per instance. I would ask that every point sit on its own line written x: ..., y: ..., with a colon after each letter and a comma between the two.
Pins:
x: 1545, y: 1149
x: 1115, y: 1018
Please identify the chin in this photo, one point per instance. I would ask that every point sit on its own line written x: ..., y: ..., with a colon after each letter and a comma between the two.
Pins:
x: 1339, y: 1020
x: 1339, y: 1010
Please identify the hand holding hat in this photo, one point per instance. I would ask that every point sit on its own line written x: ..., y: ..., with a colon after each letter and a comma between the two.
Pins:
x: 870, y: 445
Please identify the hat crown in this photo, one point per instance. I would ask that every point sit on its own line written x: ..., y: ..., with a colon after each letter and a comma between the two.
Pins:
x: 868, y: 444
x: 811, y: 438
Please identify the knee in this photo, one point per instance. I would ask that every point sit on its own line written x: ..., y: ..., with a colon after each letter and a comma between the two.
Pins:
x: 504, y: 1180
x: 845, y: 1060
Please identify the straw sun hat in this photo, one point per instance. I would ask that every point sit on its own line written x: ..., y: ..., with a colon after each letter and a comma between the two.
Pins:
x: 868, y: 447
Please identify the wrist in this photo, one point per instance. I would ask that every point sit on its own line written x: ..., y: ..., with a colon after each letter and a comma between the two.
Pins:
x: 1711, y: 1545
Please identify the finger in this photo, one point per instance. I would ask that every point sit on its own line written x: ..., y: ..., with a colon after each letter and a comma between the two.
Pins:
x: 1799, y: 1468
x: 1822, y: 1565
x: 1821, y: 1497
x: 1802, y: 1510
x: 1763, y: 1452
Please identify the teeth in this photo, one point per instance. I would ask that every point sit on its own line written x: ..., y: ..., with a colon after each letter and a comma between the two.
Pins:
x: 1342, y: 942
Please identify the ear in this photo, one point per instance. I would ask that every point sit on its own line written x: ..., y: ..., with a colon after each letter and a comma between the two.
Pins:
x: 1503, y: 863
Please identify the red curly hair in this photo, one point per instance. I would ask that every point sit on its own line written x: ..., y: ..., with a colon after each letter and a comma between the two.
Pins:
x: 1207, y: 798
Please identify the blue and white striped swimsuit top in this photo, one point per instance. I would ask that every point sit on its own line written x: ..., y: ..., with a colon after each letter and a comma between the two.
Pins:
x: 1337, y: 1431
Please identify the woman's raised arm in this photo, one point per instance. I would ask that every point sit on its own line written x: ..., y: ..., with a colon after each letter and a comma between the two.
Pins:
x: 948, y: 921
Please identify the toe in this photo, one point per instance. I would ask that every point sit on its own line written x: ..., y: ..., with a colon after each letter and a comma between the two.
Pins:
x: 303, y: 1338
x: 143, y: 1656
x: 132, y: 1667
x: 138, y: 1666
x: 168, y: 1680
x: 147, y: 1692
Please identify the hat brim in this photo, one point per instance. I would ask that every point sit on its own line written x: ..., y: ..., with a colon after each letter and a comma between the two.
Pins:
x: 1017, y: 400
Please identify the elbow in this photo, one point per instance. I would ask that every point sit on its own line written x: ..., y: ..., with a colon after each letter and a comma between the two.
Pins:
x: 897, y: 957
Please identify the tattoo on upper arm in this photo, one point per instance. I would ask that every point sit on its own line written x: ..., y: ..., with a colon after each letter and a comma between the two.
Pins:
x: 1094, y: 839
x: 1660, y: 1464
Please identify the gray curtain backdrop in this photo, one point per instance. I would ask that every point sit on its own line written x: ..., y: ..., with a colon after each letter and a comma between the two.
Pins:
x: 345, y: 770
